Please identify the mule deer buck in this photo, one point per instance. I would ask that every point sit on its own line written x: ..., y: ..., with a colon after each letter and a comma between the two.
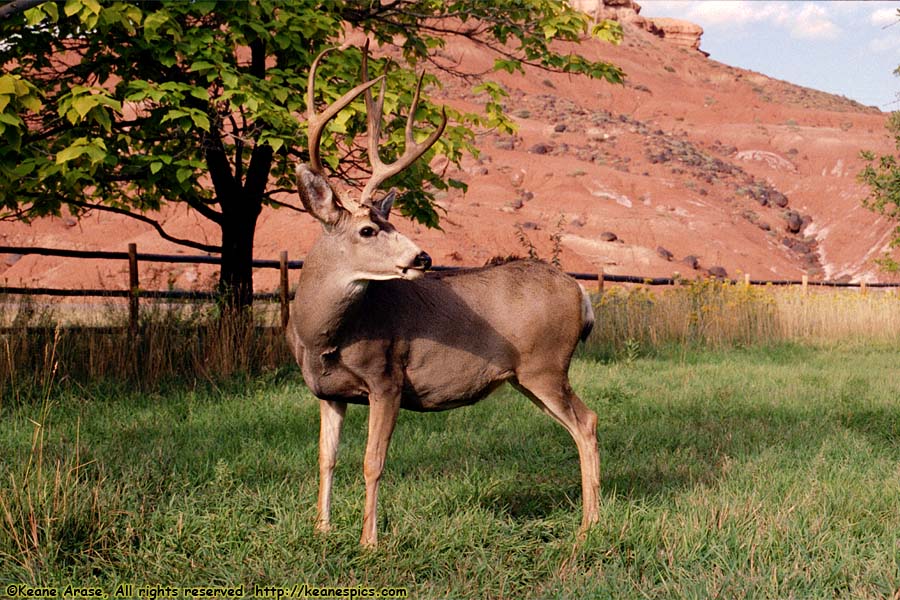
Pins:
x: 368, y: 326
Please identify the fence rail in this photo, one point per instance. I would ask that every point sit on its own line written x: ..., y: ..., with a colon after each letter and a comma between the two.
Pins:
x: 284, y: 296
x: 208, y: 259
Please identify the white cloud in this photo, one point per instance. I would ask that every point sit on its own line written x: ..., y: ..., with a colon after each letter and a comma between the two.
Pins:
x: 730, y: 12
x: 884, y: 16
x: 803, y: 20
x: 717, y: 12
x: 884, y: 43
x: 813, y: 22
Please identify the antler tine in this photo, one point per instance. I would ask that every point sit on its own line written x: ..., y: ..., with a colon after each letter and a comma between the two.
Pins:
x: 382, y: 171
x: 316, y: 122
x: 374, y: 108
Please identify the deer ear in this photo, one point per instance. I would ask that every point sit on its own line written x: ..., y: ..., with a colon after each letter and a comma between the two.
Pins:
x: 383, y: 206
x: 317, y: 196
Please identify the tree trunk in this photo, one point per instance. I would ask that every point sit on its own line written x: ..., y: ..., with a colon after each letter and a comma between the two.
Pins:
x: 236, y: 276
x: 240, y: 196
x: 241, y: 204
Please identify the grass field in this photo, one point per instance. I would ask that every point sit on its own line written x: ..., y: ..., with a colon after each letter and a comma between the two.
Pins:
x: 768, y: 472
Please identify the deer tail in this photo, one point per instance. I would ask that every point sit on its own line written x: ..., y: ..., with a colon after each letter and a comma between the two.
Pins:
x: 587, y: 315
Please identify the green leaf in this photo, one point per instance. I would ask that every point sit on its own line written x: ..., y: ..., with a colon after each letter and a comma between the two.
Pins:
x: 34, y: 16
x: 92, y: 5
x: 183, y: 175
x: 175, y: 113
x: 102, y: 119
x: 456, y: 183
x: 83, y: 104
x: 24, y: 169
x: 201, y: 65
x: 199, y: 93
x: 275, y: 143
x: 608, y: 31
x: 204, y: 7
x: 32, y: 103
x: 72, y: 7
x: 8, y: 85
x: 510, y: 66
x: 155, y: 167
x: 200, y: 120
x: 10, y: 119
x: 153, y: 22
x: 70, y: 153
x: 52, y: 10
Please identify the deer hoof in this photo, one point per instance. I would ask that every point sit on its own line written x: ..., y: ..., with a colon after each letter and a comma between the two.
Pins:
x: 323, y: 527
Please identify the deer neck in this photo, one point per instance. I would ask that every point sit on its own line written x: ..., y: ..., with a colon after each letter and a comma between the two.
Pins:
x: 326, y: 297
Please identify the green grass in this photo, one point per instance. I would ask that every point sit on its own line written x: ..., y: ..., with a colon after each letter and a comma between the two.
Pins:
x: 763, y: 472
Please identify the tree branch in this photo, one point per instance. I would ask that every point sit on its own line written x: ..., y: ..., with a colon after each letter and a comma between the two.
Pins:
x: 156, y: 225
x: 258, y: 171
x: 219, y: 169
x: 17, y: 6
x: 195, y: 203
x: 281, y: 204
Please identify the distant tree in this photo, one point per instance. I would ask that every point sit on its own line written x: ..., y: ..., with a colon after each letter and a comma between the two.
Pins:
x: 124, y: 106
x: 882, y: 175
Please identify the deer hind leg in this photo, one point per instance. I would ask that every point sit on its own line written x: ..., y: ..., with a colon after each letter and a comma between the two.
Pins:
x: 554, y: 396
x: 330, y: 421
x: 383, y: 411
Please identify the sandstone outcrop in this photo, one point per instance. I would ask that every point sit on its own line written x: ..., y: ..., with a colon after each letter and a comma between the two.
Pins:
x: 678, y: 32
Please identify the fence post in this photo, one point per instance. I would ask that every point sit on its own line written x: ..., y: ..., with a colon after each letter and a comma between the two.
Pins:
x: 132, y: 288
x: 804, y: 283
x: 862, y: 287
x: 747, y: 279
x: 283, y: 291
x: 600, y: 281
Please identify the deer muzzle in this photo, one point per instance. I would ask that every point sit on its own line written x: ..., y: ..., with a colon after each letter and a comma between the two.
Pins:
x: 422, y: 261
x: 420, y: 264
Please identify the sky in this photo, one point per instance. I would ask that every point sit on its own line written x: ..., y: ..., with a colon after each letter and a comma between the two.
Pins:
x: 846, y: 48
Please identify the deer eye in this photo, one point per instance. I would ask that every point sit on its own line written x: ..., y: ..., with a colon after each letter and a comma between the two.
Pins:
x: 367, y: 231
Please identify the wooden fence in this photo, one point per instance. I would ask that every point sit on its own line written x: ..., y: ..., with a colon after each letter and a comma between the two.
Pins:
x: 284, y: 296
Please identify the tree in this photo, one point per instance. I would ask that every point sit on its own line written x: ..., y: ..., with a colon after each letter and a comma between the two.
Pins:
x: 126, y: 106
x: 882, y: 175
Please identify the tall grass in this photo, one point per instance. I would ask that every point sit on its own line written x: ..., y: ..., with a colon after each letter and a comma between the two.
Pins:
x: 53, y: 508
x: 195, y: 344
x: 188, y: 343
x: 828, y: 317
x: 719, y: 314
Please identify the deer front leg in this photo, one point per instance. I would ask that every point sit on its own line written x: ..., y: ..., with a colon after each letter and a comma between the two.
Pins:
x: 383, y: 411
x: 330, y: 422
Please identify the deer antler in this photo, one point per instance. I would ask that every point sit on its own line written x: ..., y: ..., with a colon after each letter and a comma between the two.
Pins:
x: 382, y: 171
x: 316, y: 122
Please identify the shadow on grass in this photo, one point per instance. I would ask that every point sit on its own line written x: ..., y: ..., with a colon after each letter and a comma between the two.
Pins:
x: 644, y: 453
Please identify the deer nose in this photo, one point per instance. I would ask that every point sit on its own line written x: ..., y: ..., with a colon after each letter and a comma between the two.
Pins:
x: 422, y: 261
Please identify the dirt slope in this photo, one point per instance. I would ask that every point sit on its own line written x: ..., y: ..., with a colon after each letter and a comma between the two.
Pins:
x: 691, y: 158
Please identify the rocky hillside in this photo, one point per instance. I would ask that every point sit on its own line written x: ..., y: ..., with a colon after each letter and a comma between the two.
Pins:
x: 691, y: 165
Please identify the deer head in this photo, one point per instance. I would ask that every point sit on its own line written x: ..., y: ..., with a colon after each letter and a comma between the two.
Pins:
x: 360, y: 239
